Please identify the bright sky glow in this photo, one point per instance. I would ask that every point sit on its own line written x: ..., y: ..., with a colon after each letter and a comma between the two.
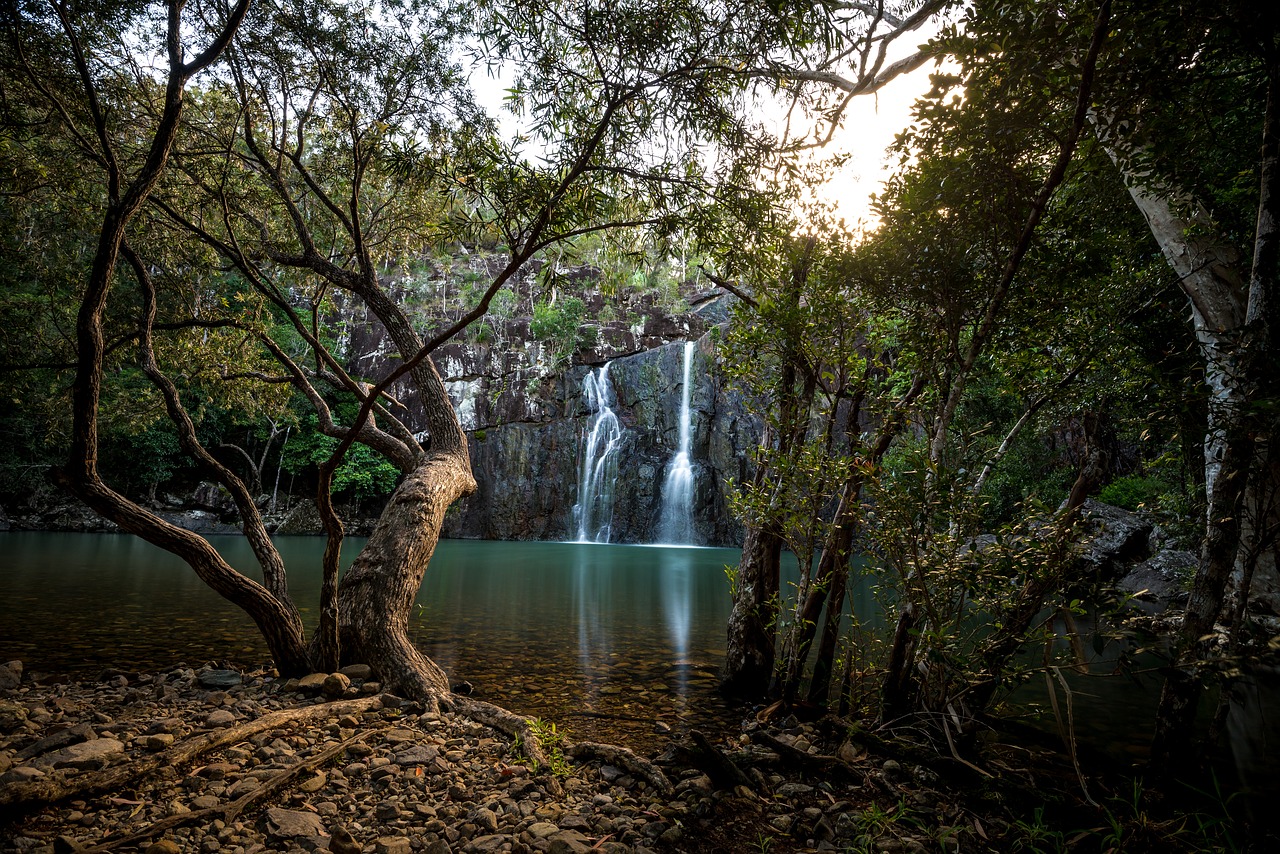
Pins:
x: 870, y: 124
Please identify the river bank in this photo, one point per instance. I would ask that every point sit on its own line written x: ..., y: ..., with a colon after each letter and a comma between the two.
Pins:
x: 370, y: 772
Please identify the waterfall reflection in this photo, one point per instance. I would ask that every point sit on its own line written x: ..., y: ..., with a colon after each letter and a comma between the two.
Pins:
x: 677, y: 598
x: 592, y: 594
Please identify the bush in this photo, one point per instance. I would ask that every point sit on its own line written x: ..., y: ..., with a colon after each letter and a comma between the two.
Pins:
x: 556, y: 324
x: 1134, y: 491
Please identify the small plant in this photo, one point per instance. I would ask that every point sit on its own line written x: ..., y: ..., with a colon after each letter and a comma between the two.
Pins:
x: 553, y: 743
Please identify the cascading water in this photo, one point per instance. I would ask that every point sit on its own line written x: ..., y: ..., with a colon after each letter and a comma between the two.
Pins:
x: 675, y: 526
x: 598, y: 470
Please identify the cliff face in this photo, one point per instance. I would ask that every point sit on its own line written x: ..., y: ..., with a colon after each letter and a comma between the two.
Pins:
x: 527, y: 468
x: 528, y: 420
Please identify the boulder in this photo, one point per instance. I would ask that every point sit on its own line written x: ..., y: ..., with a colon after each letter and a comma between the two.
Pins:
x: 1114, y: 538
x: 335, y: 685
x: 1161, y: 580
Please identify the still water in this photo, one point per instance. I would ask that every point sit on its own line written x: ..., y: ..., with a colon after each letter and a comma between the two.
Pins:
x: 606, y: 639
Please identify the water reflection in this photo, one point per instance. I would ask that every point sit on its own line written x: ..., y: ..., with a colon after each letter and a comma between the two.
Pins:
x: 677, y: 595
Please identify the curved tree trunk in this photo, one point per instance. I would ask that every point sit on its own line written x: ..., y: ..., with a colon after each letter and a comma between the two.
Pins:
x: 377, y: 593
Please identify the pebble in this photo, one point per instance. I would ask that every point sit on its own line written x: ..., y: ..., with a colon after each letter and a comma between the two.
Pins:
x: 220, y: 718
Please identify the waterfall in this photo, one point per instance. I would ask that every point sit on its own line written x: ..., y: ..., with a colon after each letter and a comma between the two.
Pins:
x: 598, y: 470
x: 675, y: 526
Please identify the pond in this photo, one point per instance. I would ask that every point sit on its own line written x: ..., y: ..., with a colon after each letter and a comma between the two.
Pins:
x: 606, y: 640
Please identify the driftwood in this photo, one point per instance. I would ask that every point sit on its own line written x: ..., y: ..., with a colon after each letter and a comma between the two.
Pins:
x: 795, y: 756
x: 17, y: 797
x: 516, y: 726
x: 230, y: 812
x: 623, y: 758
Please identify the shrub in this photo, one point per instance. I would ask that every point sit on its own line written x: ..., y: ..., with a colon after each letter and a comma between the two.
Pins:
x: 1134, y: 491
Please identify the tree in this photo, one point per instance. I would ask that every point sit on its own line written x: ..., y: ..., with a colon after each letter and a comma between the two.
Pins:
x: 329, y: 143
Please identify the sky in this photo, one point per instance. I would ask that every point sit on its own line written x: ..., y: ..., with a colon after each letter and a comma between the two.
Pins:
x: 868, y: 128
x: 870, y: 124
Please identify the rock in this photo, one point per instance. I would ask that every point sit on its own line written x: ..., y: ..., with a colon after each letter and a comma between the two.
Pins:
x: 488, y: 844
x: 1161, y: 580
x: 419, y: 754
x: 543, y: 829
x: 792, y: 790
x: 486, y: 820
x: 21, y: 774
x: 1113, y: 538
x: 10, y: 675
x: 335, y: 685
x: 312, y: 683
x: 342, y: 842
x: 163, y: 846
x: 61, y: 738
x: 287, y: 824
x: 88, y: 755
x: 314, y: 783
x: 159, y: 741
x: 437, y: 847
x: 392, y: 845
x: 357, y: 672
x: 12, y: 716
x: 66, y: 845
x: 569, y: 842
x: 220, y: 679
x: 893, y: 770
x: 220, y: 718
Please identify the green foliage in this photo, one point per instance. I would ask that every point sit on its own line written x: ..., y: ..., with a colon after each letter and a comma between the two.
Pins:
x: 364, y: 473
x: 557, y: 325
x: 1134, y: 492
x: 553, y: 741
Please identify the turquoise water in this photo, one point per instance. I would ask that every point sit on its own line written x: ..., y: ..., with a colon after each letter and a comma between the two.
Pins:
x: 610, y: 638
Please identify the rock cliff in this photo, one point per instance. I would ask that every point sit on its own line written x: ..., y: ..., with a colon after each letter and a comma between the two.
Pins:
x: 523, y: 407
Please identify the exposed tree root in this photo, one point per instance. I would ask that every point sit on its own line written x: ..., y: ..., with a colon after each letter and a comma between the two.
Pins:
x: 230, y: 812
x: 516, y: 726
x: 623, y: 758
x: 18, y: 797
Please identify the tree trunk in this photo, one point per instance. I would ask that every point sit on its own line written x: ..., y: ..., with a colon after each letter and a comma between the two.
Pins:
x: 377, y: 593
x: 1232, y: 323
x: 748, y: 665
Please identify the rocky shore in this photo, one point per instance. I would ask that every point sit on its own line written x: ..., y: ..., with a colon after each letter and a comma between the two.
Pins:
x: 370, y: 772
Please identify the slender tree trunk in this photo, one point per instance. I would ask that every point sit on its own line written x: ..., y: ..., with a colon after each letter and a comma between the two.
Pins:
x: 835, y: 565
x: 749, y: 658
x: 1233, y: 325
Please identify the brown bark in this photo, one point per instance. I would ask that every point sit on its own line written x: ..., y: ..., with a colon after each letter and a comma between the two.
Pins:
x: 377, y: 593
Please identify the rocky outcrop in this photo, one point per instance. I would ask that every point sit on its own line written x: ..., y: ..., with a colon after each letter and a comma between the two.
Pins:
x: 522, y: 405
x: 526, y: 466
